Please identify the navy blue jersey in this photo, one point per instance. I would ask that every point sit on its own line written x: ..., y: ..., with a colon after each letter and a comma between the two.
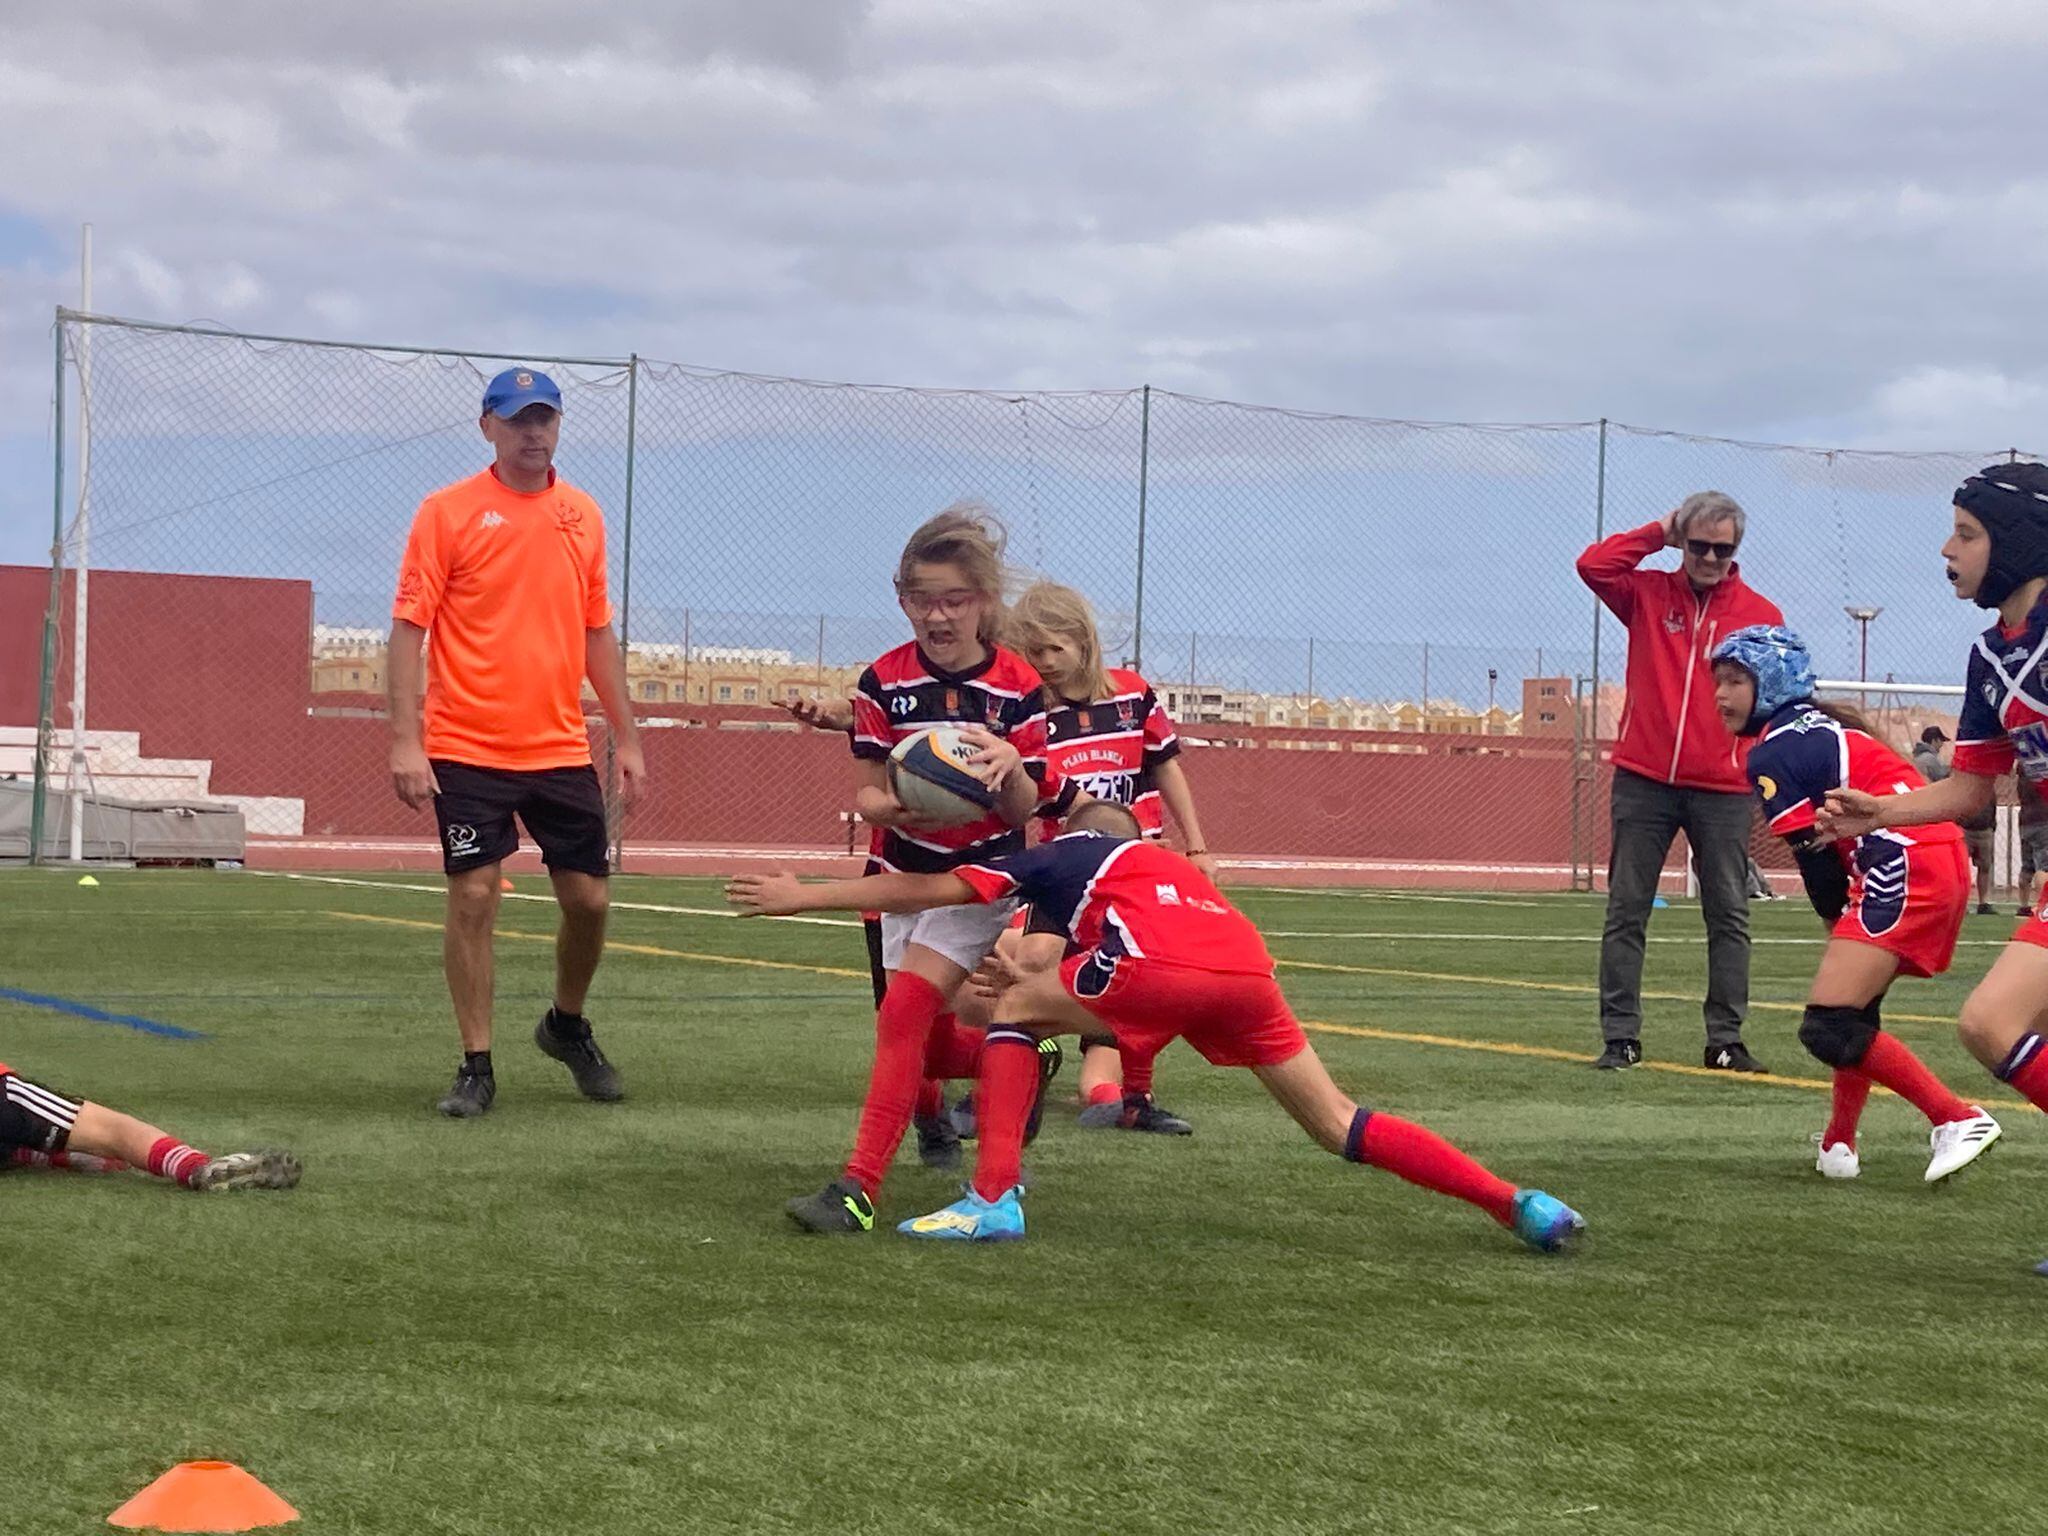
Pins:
x: 2004, y: 718
x: 1803, y: 754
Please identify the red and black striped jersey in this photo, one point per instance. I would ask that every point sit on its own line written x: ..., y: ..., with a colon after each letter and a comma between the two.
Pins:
x: 1111, y: 749
x: 904, y: 693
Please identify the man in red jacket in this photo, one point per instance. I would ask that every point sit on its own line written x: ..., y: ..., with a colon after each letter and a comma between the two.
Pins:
x: 1676, y: 768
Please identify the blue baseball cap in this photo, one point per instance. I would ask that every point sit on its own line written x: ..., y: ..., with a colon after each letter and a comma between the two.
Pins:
x: 516, y: 388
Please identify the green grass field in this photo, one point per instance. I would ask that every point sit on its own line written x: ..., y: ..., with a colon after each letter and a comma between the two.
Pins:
x: 575, y: 1318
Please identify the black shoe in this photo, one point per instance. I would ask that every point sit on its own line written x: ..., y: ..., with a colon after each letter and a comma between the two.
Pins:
x: 471, y: 1095
x: 1733, y: 1058
x: 1049, y: 1058
x: 1619, y: 1054
x: 938, y: 1144
x: 1985, y: 909
x: 965, y: 1126
x: 1141, y: 1114
x: 570, y: 1042
x: 841, y: 1207
x: 2026, y: 911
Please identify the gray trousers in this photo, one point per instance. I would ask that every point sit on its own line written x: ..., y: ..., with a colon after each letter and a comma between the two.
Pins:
x: 1647, y: 816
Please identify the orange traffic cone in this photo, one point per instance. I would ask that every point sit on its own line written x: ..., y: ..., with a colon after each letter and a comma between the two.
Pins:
x: 203, y: 1496
x: 504, y: 882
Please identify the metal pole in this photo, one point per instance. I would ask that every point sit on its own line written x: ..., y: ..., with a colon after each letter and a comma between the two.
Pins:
x: 46, y: 701
x: 1578, y: 727
x: 625, y: 593
x: 83, y: 564
x: 1144, y: 478
x: 1586, y: 742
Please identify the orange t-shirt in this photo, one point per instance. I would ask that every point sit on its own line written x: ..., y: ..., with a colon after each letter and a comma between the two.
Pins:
x: 505, y: 584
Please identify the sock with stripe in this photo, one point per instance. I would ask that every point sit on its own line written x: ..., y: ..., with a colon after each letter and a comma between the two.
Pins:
x: 1420, y: 1156
x: 1002, y: 1101
x: 1852, y: 1089
x: 2026, y: 1068
x: 170, y: 1158
x: 902, y: 1025
x: 1891, y: 1062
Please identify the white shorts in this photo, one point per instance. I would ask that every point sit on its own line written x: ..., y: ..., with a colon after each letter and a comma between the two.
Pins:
x: 962, y: 934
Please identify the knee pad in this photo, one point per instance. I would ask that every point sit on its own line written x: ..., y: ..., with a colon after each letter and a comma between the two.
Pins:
x: 1838, y: 1037
x: 1099, y: 1039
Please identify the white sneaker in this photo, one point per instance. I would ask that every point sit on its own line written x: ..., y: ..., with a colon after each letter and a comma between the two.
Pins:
x: 1838, y: 1161
x: 1959, y: 1143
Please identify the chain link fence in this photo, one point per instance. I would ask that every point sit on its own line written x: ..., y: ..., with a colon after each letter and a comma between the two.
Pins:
x: 1371, y: 631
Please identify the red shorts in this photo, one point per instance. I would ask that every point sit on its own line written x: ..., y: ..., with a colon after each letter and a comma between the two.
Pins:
x: 2035, y: 929
x: 1917, y: 917
x: 1234, y: 1020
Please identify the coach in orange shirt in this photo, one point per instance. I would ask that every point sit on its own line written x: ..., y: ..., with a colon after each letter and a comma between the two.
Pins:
x: 504, y: 581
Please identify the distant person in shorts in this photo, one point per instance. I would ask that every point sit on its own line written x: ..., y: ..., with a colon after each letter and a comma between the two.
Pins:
x: 1980, y: 831
x: 504, y: 584
x: 2033, y: 848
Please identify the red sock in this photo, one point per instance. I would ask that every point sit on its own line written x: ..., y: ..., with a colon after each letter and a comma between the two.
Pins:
x: 1422, y: 1157
x: 931, y: 1098
x: 1002, y: 1106
x: 952, y: 1049
x: 1891, y: 1061
x: 170, y: 1158
x: 1138, y: 1074
x: 902, y: 1025
x: 2026, y: 1069
x: 1851, y: 1089
x: 1106, y: 1093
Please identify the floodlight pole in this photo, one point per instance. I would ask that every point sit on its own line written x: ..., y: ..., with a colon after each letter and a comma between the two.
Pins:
x: 1863, y: 616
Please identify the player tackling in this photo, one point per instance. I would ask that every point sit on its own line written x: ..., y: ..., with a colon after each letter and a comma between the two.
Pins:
x: 1157, y: 953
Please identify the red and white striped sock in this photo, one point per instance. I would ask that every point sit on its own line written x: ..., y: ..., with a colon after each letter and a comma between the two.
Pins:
x: 170, y: 1158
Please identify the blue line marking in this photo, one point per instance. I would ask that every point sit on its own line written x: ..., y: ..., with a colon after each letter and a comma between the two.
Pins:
x: 99, y: 1015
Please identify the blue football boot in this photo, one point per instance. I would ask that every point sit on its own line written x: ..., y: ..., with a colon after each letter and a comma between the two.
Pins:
x: 971, y: 1219
x: 1544, y: 1221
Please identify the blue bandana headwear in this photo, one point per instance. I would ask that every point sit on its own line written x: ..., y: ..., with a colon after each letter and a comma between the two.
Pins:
x: 1777, y: 659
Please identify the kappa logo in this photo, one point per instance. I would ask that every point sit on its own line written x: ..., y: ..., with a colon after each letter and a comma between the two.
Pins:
x: 492, y: 520
x: 461, y: 840
x: 1674, y: 623
x: 568, y: 515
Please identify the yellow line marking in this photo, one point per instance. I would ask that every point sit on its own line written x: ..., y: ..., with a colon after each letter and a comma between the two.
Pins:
x: 1551, y: 1053
x: 613, y: 944
x: 1360, y: 1031
x: 1572, y: 987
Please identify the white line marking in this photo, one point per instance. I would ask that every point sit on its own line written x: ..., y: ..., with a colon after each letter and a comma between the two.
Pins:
x: 617, y: 906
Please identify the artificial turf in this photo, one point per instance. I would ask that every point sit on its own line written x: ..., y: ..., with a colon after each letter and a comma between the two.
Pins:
x: 571, y: 1317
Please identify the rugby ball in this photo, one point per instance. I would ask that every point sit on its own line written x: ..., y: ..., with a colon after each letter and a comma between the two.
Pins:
x: 929, y: 778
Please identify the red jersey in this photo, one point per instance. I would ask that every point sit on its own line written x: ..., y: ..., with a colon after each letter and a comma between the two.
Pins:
x: 1670, y: 731
x: 1113, y: 747
x: 1124, y: 896
x: 904, y: 693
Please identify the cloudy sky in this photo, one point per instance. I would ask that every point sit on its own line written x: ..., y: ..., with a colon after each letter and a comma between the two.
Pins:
x: 1814, y: 219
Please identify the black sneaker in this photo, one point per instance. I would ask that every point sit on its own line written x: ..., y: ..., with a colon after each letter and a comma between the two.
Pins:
x: 938, y: 1144
x: 965, y: 1126
x: 2026, y: 911
x: 1733, y: 1058
x: 1141, y: 1114
x: 570, y: 1042
x: 1985, y: 909
x: 841, y: 1207
x: 471, y: 1095
x: 1619, y: 1054
x: 1049, y: 1058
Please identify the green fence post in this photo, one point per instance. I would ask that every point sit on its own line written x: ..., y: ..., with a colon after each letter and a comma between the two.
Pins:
x: 46, y: 697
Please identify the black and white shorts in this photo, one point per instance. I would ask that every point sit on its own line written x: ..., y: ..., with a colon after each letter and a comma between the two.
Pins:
x: 32, y: 1116
x: 563, y: 809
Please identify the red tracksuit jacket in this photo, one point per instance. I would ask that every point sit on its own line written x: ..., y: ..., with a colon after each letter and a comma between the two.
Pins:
x: 1669, y: 730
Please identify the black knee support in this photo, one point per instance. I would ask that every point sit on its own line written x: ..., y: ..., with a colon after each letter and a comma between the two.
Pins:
x: 1838, y: 1037
x: 1098, y: 1040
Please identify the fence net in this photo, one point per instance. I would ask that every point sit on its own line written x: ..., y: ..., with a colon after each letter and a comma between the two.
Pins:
x: 1370, y: 630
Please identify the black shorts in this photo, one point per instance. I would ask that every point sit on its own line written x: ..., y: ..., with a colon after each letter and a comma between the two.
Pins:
x: 562, y: 809
x: 34, y: 1117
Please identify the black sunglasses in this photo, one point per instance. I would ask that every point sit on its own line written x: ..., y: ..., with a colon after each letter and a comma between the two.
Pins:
x: 1701, y: 548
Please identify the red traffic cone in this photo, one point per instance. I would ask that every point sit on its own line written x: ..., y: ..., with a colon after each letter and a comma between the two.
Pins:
x: 203, y: 1496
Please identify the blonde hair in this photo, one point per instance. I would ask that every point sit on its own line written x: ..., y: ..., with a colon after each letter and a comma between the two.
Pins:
x: 966, y: 535
x: 1049, y: 611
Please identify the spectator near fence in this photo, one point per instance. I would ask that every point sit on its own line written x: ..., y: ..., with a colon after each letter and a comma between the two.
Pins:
x: 1676, y: 768
x: 1980, y: 832
x: 2033, y: 846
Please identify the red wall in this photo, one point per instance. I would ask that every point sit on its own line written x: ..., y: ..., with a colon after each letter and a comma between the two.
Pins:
x: 218, y: 667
